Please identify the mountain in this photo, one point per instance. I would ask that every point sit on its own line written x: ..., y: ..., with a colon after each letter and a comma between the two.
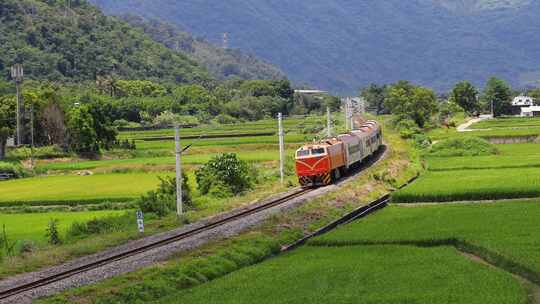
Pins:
x: 342, y: 45
x: 221, y: 63
x: 58, y: 42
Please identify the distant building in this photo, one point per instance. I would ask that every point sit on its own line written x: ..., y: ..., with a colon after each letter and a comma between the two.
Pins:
x: 520, y: 102
x: 531, y: 111
x: 310, y: 92
x: 523, y: 101
x: 11, y: 142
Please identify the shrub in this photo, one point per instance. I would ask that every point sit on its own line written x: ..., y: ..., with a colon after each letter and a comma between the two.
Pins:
x: 407, y: 128
x: 421, y: 141
x: 163, y: 200
x: 466, y: 146
x: 167, y: 119
x: 52, y: 233
x: 40, y: 153
x: 225, y: 119
x: 101, y: 225
x: 12, y: 168
x: 225, y: 169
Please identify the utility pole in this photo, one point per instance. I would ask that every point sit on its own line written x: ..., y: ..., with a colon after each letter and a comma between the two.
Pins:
x: 346, y: 109
x: 17, y: 74
x: 178, y: 153
x: 351, y: 112
x: 32, y: 136
x: 225, y: 41
x: 281, y: 148
x: 492, y: 110
x: 328, y: 123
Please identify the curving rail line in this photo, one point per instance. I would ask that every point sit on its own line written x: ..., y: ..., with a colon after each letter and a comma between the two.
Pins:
x: 20, y: 289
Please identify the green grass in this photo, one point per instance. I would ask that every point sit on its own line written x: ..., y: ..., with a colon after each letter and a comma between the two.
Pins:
x: 505, y: 234
x: 32, y: 226
x: 514, y: 122
x: 193, y: 159
x: 440, y: 134
x: 510, y: 156
x: 468, y: 185
x: 73, y: 188
x: 219, y: 142
x: 375, y: 274
x: 268, y: 125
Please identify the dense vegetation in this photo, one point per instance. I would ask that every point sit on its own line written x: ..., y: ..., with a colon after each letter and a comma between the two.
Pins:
x: 85, y: 119
x: 221, y: 63
x: 342, y: 45
x: 59, y: 42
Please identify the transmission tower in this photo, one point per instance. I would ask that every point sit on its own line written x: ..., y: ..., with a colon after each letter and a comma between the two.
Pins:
x: 225, y: 40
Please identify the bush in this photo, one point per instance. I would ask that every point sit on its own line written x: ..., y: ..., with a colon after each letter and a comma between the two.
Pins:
x: 467, y: 146
x: 163, y: 200
x: 167, y: 119
x: 407, y: 128
x: 225, y: 170
x: 421, y: 141
x: 52, y: 233
x: 40, y: 153
x: 225, y: 119
x: 11, y: 168
x: 102, y: 225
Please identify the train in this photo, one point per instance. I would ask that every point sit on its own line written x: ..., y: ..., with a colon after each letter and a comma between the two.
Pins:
x: 324, y: 162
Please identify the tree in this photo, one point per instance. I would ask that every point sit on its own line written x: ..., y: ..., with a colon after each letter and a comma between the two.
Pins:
x: 498, y: 92
x: 7, y: 122
x: 54, y: 124
x: 465, y: 95
x: 224, y: 172
x: 407, y: 101
x: 82, y: 136
x: 375, y: 96
x: 103, y: 121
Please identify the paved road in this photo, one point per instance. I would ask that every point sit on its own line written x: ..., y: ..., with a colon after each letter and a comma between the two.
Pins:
x: 465, y: 127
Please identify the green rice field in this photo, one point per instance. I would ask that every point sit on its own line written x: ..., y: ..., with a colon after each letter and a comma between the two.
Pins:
x: 32, y: 226
x: 510, y: 156
x: 511, y: 122
x: 373, y: 274
x: 192, y: 159
x: 469, y: 185
x: 61, y: 189
x: 505, y: 233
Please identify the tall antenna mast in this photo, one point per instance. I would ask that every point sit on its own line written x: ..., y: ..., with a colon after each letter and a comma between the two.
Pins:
x: 225, y: 40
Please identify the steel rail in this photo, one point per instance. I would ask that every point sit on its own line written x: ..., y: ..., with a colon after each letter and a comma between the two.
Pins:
x: 18, y: 290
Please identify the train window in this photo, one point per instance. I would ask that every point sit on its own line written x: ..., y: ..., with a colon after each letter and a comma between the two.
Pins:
x: 302, y: 153
x: 318, y: 151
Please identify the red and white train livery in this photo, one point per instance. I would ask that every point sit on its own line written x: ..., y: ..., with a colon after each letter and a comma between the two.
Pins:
x: 324, y: 162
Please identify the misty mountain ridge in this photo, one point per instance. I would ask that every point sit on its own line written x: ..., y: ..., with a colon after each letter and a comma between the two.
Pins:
x: 343, y: 45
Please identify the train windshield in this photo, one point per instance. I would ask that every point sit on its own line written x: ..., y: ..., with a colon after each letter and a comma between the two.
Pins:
x: 302, y: 153
x: 318, y: 151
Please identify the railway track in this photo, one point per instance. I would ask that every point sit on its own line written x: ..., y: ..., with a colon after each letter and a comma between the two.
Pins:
x: 41, y: 282
x: 27, y: 289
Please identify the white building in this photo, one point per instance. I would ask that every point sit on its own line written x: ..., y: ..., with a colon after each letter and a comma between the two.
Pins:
x: 530, y: 111
x: 523, y: 101
x: 11, y: 142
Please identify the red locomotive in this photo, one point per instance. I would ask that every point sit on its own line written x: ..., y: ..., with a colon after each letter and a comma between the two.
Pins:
x: 324, y: 162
